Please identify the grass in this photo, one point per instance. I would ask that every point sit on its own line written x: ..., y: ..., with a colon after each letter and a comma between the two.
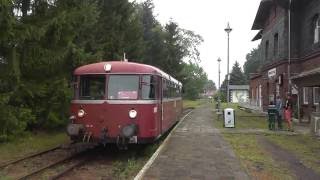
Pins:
x: 30, y: 143
x: 243, y: 119
x: 192, y: 103
x: 131, y: 162
x: 254, y: 159
x: 305, y: 147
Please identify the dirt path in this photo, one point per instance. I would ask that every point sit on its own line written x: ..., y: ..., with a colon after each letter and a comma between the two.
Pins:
x: 289, y: 159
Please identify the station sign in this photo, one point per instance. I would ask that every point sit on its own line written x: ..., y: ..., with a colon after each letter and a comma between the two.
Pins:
x: 272, y: 73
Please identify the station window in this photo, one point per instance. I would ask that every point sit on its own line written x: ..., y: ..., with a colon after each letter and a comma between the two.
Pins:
x: 276, y: 45
x: 305, y: 95
x: 266, y: 50
x: 316, y: 98
x: 316, y: 28
x: 148, y: 87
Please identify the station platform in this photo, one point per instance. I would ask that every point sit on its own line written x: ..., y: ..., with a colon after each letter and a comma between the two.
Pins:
x: 195, y: 150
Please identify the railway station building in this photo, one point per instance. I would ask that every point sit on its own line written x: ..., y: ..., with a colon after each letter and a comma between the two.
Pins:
x: 288, y: 47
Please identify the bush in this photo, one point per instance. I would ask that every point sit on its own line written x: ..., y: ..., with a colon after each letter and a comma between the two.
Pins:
x: 222, y: 94
x: 13, y: 121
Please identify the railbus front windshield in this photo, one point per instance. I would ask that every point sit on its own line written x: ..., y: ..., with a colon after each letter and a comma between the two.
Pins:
x: 123, y: 87
x: 117, y: 87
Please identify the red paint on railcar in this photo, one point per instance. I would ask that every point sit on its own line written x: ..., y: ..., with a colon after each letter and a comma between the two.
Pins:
x: 105, y: 119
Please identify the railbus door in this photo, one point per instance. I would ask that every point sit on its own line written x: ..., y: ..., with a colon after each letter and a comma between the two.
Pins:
x: 160, y: 105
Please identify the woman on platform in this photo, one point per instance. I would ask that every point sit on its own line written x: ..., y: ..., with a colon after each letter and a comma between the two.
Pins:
x: 288, y: 112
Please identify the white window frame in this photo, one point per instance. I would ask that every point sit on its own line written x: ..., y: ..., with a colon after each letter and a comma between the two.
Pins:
x: 314, y: 95
x: 316, y: 30
x: 305, y: 99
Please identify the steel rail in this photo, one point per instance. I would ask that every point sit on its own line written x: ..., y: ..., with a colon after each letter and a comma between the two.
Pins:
x: 5, y: 164
x: 28, y: 157
x: 64, y: 172
x: 37, y: 171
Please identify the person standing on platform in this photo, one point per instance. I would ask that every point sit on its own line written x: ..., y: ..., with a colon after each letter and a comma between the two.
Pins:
x: 288, y: 112
x: 279, y: 108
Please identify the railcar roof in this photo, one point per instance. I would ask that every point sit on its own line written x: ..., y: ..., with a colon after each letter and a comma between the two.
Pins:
x: 122, y: 67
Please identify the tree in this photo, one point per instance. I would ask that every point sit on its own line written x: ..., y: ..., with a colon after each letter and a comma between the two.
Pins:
x: 194, y: 80
x: 236, y: 76
x: 210, y: 85
x: 43, y: 41
x: 118, y: 30
x: 41, y: 47
x: 253, y: 62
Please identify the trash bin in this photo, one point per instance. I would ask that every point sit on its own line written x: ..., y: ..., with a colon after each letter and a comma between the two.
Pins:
x: 272, y: 114
x: 229, y: 118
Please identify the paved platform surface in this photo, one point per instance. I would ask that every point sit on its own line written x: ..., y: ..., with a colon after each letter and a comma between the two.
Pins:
x: 196, y: 150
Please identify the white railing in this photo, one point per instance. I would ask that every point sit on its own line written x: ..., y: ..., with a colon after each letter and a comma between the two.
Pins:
x: 251, y: 104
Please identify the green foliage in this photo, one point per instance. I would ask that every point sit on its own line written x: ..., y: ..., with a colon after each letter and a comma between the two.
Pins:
x: 252, y: 63
x: 210, y: 85
x: 192, y: 103
x: 222, y: 95
x: 42, y: 42
x: 236, y: 76
x: 194, y: 80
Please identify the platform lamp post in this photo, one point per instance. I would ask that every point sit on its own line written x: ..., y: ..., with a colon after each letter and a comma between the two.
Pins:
x: 219, y: 100
x: 228, y: 30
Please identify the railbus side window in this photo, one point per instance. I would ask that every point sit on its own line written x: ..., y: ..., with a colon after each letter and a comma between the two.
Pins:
x: 171, y: 89
x: 165, y: 88
x: 92, y: 87
x: 149, y: 86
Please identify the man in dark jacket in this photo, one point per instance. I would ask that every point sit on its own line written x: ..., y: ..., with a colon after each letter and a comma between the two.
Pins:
x: 279, y: 107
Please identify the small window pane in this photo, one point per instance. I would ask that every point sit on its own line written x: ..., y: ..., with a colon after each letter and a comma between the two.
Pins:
x: 316, y: 95
x: 123, y: 87
x: 148, y: 87
x: 305, y: 95
x: 165, y: 88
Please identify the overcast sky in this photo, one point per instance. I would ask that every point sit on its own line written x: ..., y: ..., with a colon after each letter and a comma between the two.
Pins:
x: 209, y: 18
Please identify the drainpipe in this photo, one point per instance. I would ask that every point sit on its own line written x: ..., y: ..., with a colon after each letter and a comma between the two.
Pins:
x: 289, y: 47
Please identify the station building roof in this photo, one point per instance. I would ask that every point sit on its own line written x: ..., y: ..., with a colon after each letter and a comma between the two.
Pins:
x: 238, y: 87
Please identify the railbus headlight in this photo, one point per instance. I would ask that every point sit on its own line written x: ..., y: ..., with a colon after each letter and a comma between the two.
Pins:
x: 81, y: 113
x: 132, y: 113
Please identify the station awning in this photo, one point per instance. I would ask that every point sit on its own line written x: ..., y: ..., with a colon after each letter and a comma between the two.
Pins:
x: 307, y: 73
x: 308, y: 78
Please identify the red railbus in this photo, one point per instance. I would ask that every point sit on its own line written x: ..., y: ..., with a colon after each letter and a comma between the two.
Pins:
x: 123, y: 102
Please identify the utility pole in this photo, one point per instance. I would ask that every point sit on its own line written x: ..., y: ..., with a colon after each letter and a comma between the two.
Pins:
x: 219, y: 100
x: 228, y: 30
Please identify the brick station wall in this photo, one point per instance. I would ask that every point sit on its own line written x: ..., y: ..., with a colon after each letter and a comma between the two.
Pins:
x: 304, y: 53
x: 275, y: 24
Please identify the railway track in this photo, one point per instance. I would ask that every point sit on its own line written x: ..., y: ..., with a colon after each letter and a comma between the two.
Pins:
x: 5, y: 164
x: 31, y: 166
